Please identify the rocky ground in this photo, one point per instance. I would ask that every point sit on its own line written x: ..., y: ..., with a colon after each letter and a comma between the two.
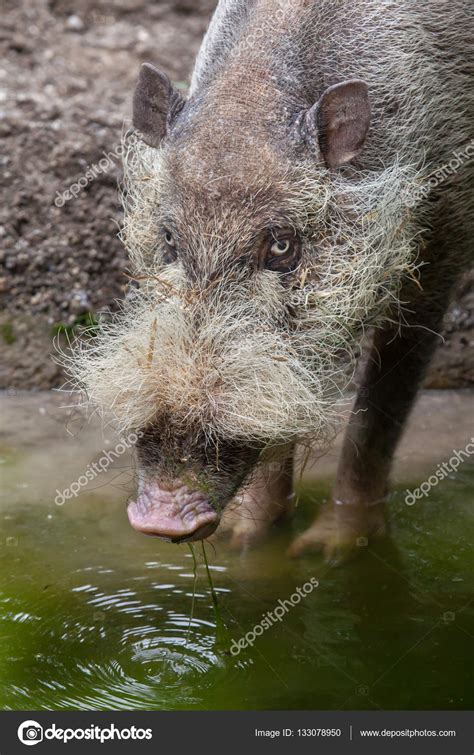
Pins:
x: 69, y: 68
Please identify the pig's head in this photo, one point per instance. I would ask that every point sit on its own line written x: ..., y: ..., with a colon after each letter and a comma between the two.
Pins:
x: 259, y: 264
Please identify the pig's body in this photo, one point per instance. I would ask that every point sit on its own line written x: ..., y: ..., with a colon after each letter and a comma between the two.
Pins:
x: 270, y: 238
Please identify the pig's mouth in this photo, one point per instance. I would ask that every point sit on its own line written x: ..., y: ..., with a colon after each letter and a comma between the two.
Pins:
x: 179, y: 514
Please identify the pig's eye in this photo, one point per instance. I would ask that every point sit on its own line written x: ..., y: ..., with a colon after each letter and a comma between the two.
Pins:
x: 279, y: 248
x: 170, y: 246
x: 169, y: 239
x: 282, y: 252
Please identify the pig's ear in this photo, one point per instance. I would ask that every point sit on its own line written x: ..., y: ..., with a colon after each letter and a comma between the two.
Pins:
x: 155, y: 103
x: 341, y: 120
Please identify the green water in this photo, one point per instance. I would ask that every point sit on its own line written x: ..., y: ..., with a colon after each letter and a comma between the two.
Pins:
x: 94, y: 616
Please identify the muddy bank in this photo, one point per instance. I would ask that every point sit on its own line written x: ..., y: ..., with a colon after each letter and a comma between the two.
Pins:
x: 65, y: 89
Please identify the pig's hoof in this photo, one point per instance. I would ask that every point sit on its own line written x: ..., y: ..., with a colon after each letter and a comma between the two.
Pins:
x: 341, y: 532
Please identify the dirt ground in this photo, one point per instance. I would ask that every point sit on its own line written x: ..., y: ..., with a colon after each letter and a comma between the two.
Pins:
x: 69, y: 68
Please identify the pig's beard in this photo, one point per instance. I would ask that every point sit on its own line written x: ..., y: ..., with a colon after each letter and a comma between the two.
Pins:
x: 226, y: 363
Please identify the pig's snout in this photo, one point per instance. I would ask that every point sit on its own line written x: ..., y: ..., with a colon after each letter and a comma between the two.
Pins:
x: 174, y: 513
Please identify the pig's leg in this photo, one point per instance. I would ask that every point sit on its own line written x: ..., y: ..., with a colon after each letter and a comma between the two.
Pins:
x: 393, y: 373
x: 266, y: 499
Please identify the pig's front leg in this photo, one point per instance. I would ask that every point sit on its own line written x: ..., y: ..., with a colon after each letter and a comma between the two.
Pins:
x: 266, y: 499
x: 393, y: 373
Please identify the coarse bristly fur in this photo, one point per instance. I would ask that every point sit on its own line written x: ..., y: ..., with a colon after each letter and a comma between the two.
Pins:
x: 210, y: 343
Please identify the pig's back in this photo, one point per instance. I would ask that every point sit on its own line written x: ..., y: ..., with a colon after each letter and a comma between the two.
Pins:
x: 417, y: 59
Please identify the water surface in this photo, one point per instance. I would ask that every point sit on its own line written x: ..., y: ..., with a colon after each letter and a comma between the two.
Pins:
x: 95, y: 616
